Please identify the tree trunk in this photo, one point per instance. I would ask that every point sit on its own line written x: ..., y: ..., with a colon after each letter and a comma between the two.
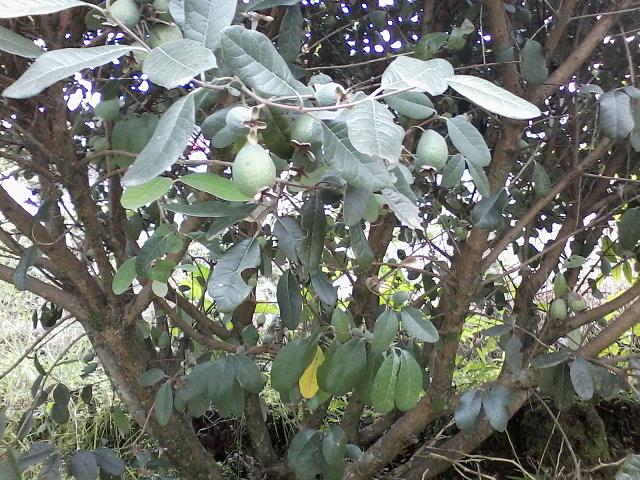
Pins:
x: 124, y: 357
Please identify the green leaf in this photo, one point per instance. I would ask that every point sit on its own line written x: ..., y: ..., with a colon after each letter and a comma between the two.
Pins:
x: 468, y: 409
x: 405, y: 209
x: 13, y: 9
x: 344, y: 368
x: 226, y: 285
x: 170, y: 138
x: 418, y: 326
x: 109, y: 462
x: 533, y: 64
x: 629, y: 229
x: 216, y: 185
x: 204, y: 19
x: 144, y: 194
x: 51, y: 468
x: 151, y: 377
x: 212, y: 209
x: 414, y: 105
x: 409, y: 384
x: 384, y: 331
x: 360, y: 246
x: 177, y: 62
x: 255, y: 60
x: 83, y: 465
x: 15, y: 44
x: 430, y: 44
x: 581, y: 378
x: 38, y: 452
x: 289, y: 364
x: 541, y: 180
x: 487, y: 213
x: 616, y: 119
x: 301, y: 456
x: 422, y: 76
x: 355, y: 168
x: 290, y: 236
x: 453, y: 171
x: 355, y: 204
x: 334, y: 445
x: 324, y: 288
x: 634, y: 139
x: 495, y: 402
x: 124, y: 277
x: 163, y: 406
x: 314, y: 224
x: 264, y: 4
x: 342, y: 324
x: 291, y: 34
x: 493, y: 98
x: 480, y: 179
x: 469, y: 141
x: 248, y: 374
x: 289, y: 300
x: 19, y: 276
x: 384, y: 384
x: 575, y: 261
x: 372, y: 130
x: 59, y: 64
x: 220, y: 378
x: 231, y: 403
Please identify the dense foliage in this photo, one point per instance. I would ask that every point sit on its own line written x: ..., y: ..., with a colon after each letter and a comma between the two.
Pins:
x: 341, y: 204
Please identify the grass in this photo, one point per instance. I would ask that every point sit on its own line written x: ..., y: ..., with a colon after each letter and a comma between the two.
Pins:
x: 91, y: 425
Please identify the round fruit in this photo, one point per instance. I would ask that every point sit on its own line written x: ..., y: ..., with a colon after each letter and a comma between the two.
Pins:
x: 401, y: 297
x: 576, y: 302
x: 164, y: 33
x: 237, y: 116
x: 306, y: 129
x: 99, y: 143
x: 559, y: 285
x: 108, y: 110
x: 327, y: 94
x: 126, y: 12
x: 432, y: 150
x: 558, y: 309
x: 253, y: 170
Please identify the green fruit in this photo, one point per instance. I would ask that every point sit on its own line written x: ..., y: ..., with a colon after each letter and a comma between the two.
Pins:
x: 576, y: 302
x: 237, y: 116
x: 558, y: 309
x: 164, y: 33
x: 328, y: 95
x: 379, y: 19
x: 559, y: 285
x: 161, y: 5
x: 253, y: 170
x: 108, y: 110
x: 126, y: 12
x: 401, y: 297
x: 432, y: 150
x: 306, y: 129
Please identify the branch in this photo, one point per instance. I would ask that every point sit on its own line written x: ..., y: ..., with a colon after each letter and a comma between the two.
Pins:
x: 532, y: 213
x: 562, y: 20
x: 580, y: 55
x: 69, y: 302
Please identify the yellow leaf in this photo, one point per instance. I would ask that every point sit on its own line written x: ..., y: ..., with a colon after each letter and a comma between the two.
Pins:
x: 308, y: 382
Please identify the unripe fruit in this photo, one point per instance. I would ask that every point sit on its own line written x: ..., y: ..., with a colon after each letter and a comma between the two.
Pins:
x: 306, y: 129
x: 164, y: 33
x: 99, y: 143
x: 126, y: 12
x: 328, y: 95
x: 576, y: 302
x: 401, y: 297
x: 237, y: 116
x: 108, y: 110
x: 558, y: 309
x: 253, y: 170
x: 559, y: 285
x: 432, y: 150
x: 379, y: 19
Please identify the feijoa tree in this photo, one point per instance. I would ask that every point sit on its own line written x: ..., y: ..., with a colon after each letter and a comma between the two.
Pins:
x: 324, y: 200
